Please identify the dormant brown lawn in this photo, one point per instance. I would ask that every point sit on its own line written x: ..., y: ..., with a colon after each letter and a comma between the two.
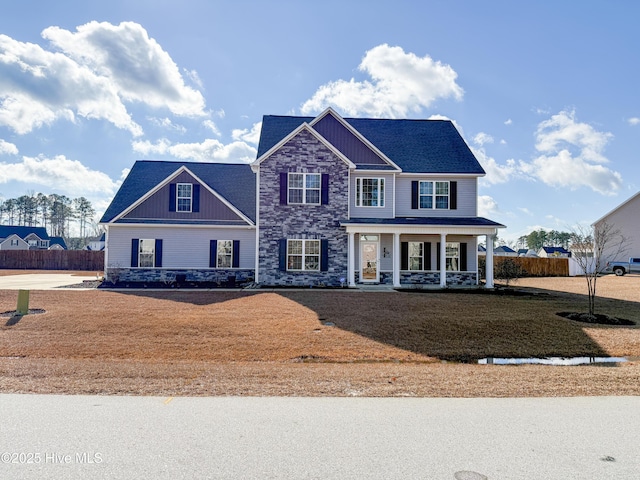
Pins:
x: 318, y: 342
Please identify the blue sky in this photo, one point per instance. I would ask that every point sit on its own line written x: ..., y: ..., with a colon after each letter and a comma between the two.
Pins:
x: 545, y: 93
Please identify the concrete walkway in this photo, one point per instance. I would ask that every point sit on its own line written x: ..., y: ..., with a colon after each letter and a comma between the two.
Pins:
x: 40, y: 281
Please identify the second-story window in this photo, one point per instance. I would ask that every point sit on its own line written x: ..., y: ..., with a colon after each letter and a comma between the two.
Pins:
x: 184, y: 197
x: 369, y: 192
x: 304, y: 188
x: 434, y: 195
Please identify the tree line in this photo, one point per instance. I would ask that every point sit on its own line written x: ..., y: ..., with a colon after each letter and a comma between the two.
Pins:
x: 54, y: 212
x: 542, y: 238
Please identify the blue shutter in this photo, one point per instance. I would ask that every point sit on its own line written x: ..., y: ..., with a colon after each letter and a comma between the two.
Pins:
x: 213, y: 253
x: 158, y: 253
x: 135, y: 246
x: 195, y: 205
x: 236, y: 254
x: 453, y: 195
x: 284, y: 188
x: 324, y: 255
x: 463, y: 257
x: 404, y: 256
x: 427, y: 255
x: 282, y: 249
x: 415, y: 198
x: 172, y: 197
x: 324, y: 195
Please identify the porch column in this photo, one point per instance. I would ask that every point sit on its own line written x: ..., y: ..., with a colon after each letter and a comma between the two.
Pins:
x: 396, y: 260
x: 443, y: 260
x: 351, y: 260
x: 489, y: 262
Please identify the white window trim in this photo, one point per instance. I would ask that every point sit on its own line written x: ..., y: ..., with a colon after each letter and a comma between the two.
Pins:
x: 219, y: 242
x: 381, y: 198
x: 447, y: 256
x: 304, y: 188
x: 409, y: 257
x: 178, y: 198
x: 304, y: 255
x: 140, y: 244
x: 434, y: 195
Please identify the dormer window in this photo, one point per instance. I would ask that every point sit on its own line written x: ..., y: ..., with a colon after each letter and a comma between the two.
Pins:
x: 184, y: 197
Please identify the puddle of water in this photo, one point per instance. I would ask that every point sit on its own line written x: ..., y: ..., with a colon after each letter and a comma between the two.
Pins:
x: 556, y: 361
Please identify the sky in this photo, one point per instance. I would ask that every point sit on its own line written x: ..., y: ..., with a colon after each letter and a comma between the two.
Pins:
x: 545, y: 93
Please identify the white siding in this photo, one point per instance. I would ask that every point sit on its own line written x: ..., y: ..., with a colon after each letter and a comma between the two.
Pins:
x: 372, y: 212
x: 467, y: 198
x: 626, y: 218
x: 181, y: 247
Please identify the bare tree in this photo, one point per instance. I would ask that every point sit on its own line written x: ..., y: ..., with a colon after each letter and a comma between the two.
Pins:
x: 592, y: 248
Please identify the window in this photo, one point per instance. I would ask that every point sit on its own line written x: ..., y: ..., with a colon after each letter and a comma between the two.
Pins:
x: 224, y: 254
x: 453, y: 256
x: 184, y: 196
x: 416, y: 256
x: 370, y: 192
x: 14, y: 242
x: 434, y: 195
x: 146, y: 253
x: 304, y: 188
x: 303, y: 255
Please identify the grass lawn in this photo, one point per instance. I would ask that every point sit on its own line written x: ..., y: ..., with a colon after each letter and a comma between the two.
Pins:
x: 311, y: 342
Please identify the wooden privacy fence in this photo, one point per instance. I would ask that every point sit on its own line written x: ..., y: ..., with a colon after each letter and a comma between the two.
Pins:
x: 539, y: 267
x: 534, y: 266
x: 86, y: 260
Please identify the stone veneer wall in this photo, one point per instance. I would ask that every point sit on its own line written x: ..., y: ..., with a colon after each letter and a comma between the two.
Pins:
x: 302, y: 154
x: 159, y: 275
x: 426, y: 278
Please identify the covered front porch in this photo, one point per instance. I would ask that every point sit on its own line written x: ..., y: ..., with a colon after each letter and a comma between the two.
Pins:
x: 418, y: 251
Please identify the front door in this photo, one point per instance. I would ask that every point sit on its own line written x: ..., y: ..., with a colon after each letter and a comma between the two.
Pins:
x: 369, y: 258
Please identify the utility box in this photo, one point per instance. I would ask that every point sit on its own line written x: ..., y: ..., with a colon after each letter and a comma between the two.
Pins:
x: 23, y: 302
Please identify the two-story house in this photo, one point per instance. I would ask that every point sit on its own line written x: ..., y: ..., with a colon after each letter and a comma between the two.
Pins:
x: 329, y: 201
x: 17, y: 237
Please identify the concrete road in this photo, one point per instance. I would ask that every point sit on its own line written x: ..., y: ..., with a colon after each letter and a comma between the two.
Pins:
x: 40, y: 281
x: 79, y: 437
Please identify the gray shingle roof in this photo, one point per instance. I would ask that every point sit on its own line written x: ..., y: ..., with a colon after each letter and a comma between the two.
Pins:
x: 22, y: 232
x: 426, y: 221
x: 235, y: 182
x: 416, y: 146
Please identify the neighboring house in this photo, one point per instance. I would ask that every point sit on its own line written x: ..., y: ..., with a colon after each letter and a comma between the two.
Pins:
x: 57, y: 243
x: 527, y: 252
x: 328, y: 201
x: 14, y: 237
x: 482, y: 250
x: 97, y: 244
x: 554, y: 252
x: 504, y: 251
x: 626, y: 218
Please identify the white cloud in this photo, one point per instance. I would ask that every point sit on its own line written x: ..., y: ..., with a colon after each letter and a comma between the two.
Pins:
x: 212, y: 126
x: 90, y: 73
x: 482, y: 138
x: 633, y: 121
x: 251, y: 136
x: 134, y: 62
x: 508, y: 122
x: 7, y: 148
x: 168, y: 124
x: 495, y: 172
x: 487, y: 206
x: 525, y: 210
x: 400, y: 83
x: 572, y: 156
x: 210, y: 150
x: 60, y: 174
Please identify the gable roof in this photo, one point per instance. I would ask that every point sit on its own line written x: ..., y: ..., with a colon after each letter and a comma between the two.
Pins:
x: 416, y: 146
x: 23, y: 232
x: 233, y: 181
x: 57, y: 241
x: 629, y: 200
x: 555, y: 250
x: 504, y: 249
